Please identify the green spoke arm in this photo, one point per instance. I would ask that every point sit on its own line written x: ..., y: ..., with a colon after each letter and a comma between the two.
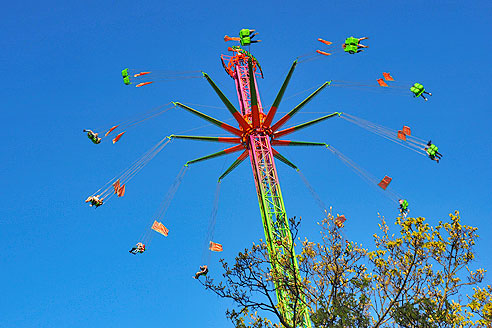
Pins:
x: 283, y: 159
x: 202, y: 138
x: 289, y: 115
x: 236, y: 163
x: 210, y: 119
x: 304, y: 125
x: 276, y: 103
x: 297, y: 143
x: 217, y: 154
x: 239, y: 118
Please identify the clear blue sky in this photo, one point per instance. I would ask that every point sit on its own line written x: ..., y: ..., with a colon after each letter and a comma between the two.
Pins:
x: 67, y: 265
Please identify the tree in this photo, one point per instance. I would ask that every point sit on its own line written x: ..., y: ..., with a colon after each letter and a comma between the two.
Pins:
x: 250, y: 284
x: 416, y: 277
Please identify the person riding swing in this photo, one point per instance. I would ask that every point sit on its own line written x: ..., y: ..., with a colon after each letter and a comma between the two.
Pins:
x: 433, y: 151
x: 138, y: 248
x: 93, y: 136
x: 404, y: 207
x: 418, y: 90
x: 352, y: 45
x: 94, y: 201
x: 203, y: 271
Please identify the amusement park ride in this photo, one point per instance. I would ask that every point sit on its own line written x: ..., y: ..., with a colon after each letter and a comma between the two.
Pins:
x: 255, y: 137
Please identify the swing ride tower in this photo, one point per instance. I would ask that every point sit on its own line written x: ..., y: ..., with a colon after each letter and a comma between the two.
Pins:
x: 255, y: 137
x: 272, y: 209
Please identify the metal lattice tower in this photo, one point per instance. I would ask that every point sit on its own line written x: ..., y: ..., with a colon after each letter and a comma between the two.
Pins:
x: 256, y: 137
